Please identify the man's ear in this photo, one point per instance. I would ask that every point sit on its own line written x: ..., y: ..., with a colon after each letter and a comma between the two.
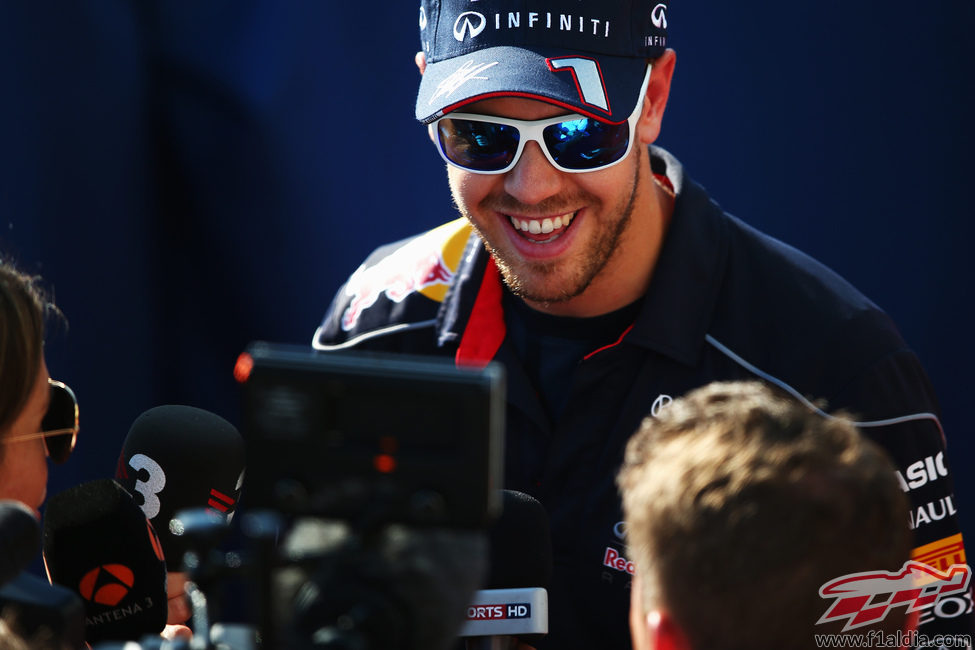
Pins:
x: 664, y: 633
x: 421, y: 63
x: 655, y: 630
x: 655, y: 102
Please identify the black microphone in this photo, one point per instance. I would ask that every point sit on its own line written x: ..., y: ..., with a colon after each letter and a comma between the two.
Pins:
x: 20, y: 538
x: 99, y: 544
x: 178, y: 458
x: 514, y: 600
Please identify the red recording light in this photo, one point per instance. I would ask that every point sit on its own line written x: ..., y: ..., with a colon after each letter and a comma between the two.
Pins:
x: 384, y: 463
x: 243, y: 367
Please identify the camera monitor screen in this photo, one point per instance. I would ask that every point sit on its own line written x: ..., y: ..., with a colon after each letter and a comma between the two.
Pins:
x: 370, y: 437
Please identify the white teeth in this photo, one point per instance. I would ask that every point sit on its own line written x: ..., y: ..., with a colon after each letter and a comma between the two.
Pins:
x: 545, y: 226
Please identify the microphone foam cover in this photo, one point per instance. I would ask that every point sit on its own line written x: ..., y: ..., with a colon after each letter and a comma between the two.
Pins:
x: 99, y: 544
x: 20, y: 538
x: 520, y: 544
x: 179, y: 457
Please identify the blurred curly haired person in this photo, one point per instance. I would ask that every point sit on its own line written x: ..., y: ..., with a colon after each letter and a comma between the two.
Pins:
x: 739, y: 504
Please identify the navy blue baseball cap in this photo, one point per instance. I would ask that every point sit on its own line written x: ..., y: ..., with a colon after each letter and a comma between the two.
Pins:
x: 588, y: 56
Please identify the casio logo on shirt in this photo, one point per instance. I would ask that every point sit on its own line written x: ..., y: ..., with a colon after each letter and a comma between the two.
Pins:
x: 923, y: 472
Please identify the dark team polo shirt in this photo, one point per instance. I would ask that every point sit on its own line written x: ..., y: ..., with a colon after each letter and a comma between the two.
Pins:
x: 726, y: 302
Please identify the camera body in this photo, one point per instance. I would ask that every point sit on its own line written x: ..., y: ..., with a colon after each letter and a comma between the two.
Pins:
x: 394, y: 438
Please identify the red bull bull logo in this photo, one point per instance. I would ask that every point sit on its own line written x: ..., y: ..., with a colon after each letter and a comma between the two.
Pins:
x: 865, y: 598
x: 416, y: 266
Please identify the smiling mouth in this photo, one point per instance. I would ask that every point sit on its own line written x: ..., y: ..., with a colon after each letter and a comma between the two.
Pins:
x: 542, y: 231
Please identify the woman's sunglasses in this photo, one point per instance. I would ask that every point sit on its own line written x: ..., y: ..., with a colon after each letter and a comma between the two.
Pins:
x: 60, y: 424
x: 485, y: 144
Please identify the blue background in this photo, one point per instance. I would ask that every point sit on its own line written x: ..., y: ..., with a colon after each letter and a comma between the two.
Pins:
x: 191, y: 176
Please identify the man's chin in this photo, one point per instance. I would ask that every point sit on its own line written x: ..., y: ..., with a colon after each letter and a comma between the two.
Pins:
x: 541, y: 293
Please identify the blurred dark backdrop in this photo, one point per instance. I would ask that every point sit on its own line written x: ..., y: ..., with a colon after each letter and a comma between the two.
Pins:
x: 190, y: 176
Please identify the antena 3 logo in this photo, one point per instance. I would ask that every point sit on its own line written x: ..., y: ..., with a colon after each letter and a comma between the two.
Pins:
x: 107, y: 584
x: 865, y: 598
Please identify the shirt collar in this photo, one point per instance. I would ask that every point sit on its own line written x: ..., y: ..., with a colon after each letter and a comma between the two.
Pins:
x: 687, y: 279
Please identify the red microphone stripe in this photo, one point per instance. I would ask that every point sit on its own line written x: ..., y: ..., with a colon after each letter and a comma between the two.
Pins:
x: 216, y: 505
x: 223, y: 497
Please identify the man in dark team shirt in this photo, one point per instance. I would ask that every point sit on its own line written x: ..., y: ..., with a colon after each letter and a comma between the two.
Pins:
x: 608, y: 283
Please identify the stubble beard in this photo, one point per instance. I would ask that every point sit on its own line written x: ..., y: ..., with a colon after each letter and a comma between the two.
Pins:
x: 529, y: 280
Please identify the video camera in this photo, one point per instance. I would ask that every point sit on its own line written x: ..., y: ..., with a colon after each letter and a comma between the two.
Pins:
x: 370, y: 481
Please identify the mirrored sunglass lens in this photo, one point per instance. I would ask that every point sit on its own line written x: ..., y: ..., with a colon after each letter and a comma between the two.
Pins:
x: 480, y: 146
x: 61, y: 414
x: 586, y: 143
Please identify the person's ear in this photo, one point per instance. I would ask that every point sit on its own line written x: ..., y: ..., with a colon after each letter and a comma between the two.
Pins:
x: 653, y: 630
x: 664, y: 633
x: 421, y: 63
x: 655, y: 102
x: 639, y: 633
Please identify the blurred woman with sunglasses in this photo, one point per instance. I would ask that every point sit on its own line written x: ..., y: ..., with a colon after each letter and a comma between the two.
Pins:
x: 30, y: 403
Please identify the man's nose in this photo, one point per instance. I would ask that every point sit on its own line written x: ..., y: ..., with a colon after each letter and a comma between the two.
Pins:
x: 533, y: 178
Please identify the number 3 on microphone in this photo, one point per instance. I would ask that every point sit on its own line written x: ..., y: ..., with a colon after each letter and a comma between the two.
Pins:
x: 150, y: 488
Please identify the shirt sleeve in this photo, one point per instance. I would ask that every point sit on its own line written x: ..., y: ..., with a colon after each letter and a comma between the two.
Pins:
x: 894, y: 404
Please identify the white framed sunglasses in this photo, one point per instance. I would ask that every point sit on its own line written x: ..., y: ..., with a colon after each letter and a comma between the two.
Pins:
x: 59, y: 425
x: 485, y: 144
